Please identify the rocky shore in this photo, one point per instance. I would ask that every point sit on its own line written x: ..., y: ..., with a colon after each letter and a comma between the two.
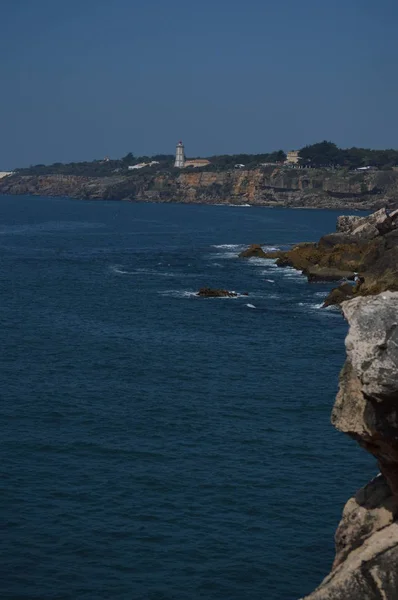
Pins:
x: 366, y: 561
x: 267, y: 186
x: 364, y: 250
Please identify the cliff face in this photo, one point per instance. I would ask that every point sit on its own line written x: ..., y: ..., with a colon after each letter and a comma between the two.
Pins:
x: 366, y: 408
x: 263, y: 187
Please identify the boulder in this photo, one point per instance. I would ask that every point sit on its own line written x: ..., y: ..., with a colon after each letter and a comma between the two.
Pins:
x: 253, y: 250
x: 369, y: 573
x: 372, y: 344
x: 366, y: 406
x: 372, y: 508
x: 347, y: 223
x: 216, y: 293
x: 371, y: 226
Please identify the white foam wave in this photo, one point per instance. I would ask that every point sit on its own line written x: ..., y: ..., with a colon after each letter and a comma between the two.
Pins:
x: 178, y: 293
x: 269, y: 262
x: 120, y: 270
x: 224, y: 255
x: 321, y: 294
x: 255, y: 260
x: 228, y: 246
x: 311, y: 305
x: 293, y: 274
x: 250, y: 306
x: 331, y: 310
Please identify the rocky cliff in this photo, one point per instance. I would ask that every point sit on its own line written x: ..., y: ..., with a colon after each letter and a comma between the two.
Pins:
x: 268, y: 186
x: 363, y: 248
x: 366, y: 409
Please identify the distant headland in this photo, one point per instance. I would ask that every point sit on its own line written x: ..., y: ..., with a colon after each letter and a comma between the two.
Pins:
x: 317, y: 176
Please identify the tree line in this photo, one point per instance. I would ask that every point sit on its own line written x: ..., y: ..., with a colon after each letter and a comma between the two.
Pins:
x: 320, y: 155
x: 327, y: 154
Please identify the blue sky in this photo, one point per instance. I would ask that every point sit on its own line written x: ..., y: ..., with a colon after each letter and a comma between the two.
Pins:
x: 88, y: 78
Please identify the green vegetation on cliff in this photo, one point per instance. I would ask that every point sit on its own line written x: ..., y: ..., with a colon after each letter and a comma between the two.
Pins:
x: 327, y: 154
x: 320, y: 155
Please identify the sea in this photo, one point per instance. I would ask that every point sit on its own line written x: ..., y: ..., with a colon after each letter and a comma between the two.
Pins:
x: 157, y: 445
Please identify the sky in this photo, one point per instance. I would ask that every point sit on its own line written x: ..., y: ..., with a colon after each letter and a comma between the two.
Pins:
x: 85, y: 79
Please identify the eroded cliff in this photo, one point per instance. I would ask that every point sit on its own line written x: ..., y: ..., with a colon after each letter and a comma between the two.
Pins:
x: 268, y: 186
x: 366, y: 408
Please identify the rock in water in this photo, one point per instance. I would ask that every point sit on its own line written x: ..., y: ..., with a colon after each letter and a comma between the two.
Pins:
x: 216, y: 293
x: 253, y: 250
x: 366, y: 408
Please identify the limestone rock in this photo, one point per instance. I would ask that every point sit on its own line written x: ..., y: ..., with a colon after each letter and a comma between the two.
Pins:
x: 371, y: 226
x: 379, y: 222
x: 265, y: 186
x: 366, y: 231
x: 369, y: 573
x: 366, y: 408
x: 347, y: 223
x: 372, y: 508
x: 372, y: 343
x: 371, y: 371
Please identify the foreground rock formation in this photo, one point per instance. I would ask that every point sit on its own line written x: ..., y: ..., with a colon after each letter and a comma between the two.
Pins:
x: 366, y: 408
x: 364, y: 249
x: 266, y: 186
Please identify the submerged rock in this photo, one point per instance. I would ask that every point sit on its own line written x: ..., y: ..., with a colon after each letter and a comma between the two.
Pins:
x: 217, y: 293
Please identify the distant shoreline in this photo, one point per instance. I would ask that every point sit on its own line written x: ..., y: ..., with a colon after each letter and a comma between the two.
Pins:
x: 276, y: 188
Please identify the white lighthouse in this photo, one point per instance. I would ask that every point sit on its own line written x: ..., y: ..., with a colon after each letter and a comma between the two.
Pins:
x: 180, y: 156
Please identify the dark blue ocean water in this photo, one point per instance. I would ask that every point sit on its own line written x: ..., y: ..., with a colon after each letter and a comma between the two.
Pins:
x: 155, y: 445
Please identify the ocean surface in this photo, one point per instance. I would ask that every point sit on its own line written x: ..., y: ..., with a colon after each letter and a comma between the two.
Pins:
x: 156, y: 445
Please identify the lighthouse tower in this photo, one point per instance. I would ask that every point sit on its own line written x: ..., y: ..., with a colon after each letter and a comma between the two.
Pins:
x: 180, y: 156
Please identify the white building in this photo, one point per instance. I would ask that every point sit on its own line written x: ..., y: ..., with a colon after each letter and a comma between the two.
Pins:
x: 180, y: 156
x: 293, y: 157
x: 142, y: 165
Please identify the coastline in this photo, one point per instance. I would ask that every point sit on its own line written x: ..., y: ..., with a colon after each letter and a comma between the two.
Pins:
x: 280, y: 188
